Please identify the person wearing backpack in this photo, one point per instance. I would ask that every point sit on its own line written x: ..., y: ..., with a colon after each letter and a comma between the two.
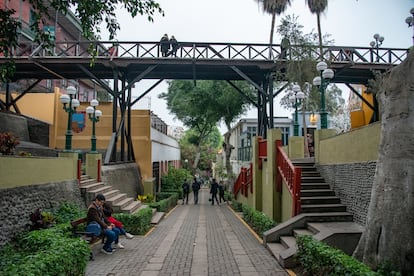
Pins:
x: 186, y: 191
x: 196, y: 188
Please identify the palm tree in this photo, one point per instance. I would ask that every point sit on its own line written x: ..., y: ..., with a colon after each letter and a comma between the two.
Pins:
x: 273, y: 7
x: 318, y: 7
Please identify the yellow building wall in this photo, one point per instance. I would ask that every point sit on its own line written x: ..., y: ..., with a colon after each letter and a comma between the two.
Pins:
x: 47, y: 107
x: 36, y: 170
x: 363, y: 116
x: 37, y: 105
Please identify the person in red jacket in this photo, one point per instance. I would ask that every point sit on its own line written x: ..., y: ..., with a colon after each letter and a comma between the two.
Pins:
x: 108, y: 211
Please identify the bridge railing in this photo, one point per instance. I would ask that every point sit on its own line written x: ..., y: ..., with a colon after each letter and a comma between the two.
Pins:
x: 227, y: 51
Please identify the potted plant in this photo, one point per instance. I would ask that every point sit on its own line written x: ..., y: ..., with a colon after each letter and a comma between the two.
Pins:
x: 8, y: 142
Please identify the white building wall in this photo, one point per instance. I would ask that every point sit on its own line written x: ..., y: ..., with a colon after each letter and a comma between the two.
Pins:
x: 164, y: 148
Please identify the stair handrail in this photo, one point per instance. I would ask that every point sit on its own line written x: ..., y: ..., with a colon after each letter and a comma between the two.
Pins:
x: 291, y: 175
x: 243, y: 181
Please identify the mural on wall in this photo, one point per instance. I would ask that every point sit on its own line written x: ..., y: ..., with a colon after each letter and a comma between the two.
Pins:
x: 78, y: 121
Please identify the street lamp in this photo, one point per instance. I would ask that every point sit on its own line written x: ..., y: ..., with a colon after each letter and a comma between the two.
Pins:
x: 377, y: 43
x: 73, y: 104
x: 410, y: 21
x: 296, y: 99
x: 94, y: 115
x: 322, y: 82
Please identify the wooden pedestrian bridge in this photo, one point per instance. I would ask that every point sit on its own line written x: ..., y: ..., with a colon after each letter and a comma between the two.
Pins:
x: 195, y: 60
x: 129, y: 62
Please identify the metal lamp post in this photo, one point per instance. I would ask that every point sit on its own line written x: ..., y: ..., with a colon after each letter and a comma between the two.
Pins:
x: 322, y: 82
x: 94, y: 115
x: 297, y: 100
x: 377, y: 43
x: 73, y: 104
x: 410, y: 21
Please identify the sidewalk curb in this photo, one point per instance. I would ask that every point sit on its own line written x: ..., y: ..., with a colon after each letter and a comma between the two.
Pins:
x: 247, y: 226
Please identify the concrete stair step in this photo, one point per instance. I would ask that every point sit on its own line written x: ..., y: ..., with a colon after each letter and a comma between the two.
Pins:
x: 312, y: 179
x: 310, y: 174
x: 110, y: 194
x: 87, y: 181
x: 308, y: 169
x: 131, y: 207
x: 120, y: 205
x: 288, y: 241
x: 314, y: 186
x: 91, y: 186
x: 302, y: 232
x: 320, y: 200
x: 318, y: 192
x: 116, y: 198
x: 318, y: 208
x: 156, y: 218
x: 275, y: 248
x: 84, y: 177
x: 100, y: 190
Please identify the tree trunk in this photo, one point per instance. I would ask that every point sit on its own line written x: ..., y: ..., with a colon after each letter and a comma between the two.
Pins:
x: 318, y: 19
x: 197, y: 157
x: 389, y: 233
x: 227, y: 150
x: 272, y: 30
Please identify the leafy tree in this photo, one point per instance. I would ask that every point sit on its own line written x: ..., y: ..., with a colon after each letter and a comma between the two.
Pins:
x: 201, y: 107
x: 209, y: 148
x: 194, y: 106
x: 317, y: 7
x: 91, y: 13
x: 273, y: 7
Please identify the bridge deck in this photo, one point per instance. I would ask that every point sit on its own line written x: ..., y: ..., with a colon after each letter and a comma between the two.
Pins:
x: 195, y: 61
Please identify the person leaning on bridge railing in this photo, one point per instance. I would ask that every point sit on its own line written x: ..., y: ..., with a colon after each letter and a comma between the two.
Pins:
x: 165, y: 45
x: 284, y: 47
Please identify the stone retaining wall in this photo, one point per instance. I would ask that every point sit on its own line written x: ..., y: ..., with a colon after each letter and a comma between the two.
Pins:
x: 16, y: 204
x: 353, y: 184
x: 124, y: 177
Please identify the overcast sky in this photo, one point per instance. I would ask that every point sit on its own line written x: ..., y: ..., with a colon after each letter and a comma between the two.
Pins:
x: 349, y: 22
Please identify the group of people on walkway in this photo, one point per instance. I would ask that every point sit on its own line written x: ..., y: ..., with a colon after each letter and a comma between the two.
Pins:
x: 215, y: 188
x: 167, y: 44
x: 100, y: 220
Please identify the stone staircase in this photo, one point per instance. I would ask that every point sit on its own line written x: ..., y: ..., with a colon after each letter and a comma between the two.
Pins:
x: 121, y: 203
x: 322, y: 216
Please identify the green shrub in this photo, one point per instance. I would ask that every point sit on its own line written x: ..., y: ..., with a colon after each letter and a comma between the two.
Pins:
x: 237, y: 206
x: 68, y: 211
x: 174, y: 179
x: 45, y: 252
x: 318, y: 258
x: 257, y: 220
x: 138, y: 223
x: 167, y: 193
x: 165, y: 204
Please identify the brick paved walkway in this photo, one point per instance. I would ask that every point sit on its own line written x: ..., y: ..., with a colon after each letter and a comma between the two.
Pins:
x: 192, y: 240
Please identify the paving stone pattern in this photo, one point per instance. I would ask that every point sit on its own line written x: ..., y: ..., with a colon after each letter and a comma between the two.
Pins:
x: 192, y: 240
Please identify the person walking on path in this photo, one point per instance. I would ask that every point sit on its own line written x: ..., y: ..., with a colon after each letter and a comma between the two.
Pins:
x: 196, y: 188
x: 186, y: 191
x: 221, y: 191
x: 174, y: 46
x: 192, y: 240
x: 165, y: 45
x: 96, y: 221
x: 213, y: 191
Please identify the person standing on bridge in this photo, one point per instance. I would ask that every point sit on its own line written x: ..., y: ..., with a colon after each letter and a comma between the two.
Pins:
x: 165, y: 45
x: 284, y: 47
x: 174, y: 46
